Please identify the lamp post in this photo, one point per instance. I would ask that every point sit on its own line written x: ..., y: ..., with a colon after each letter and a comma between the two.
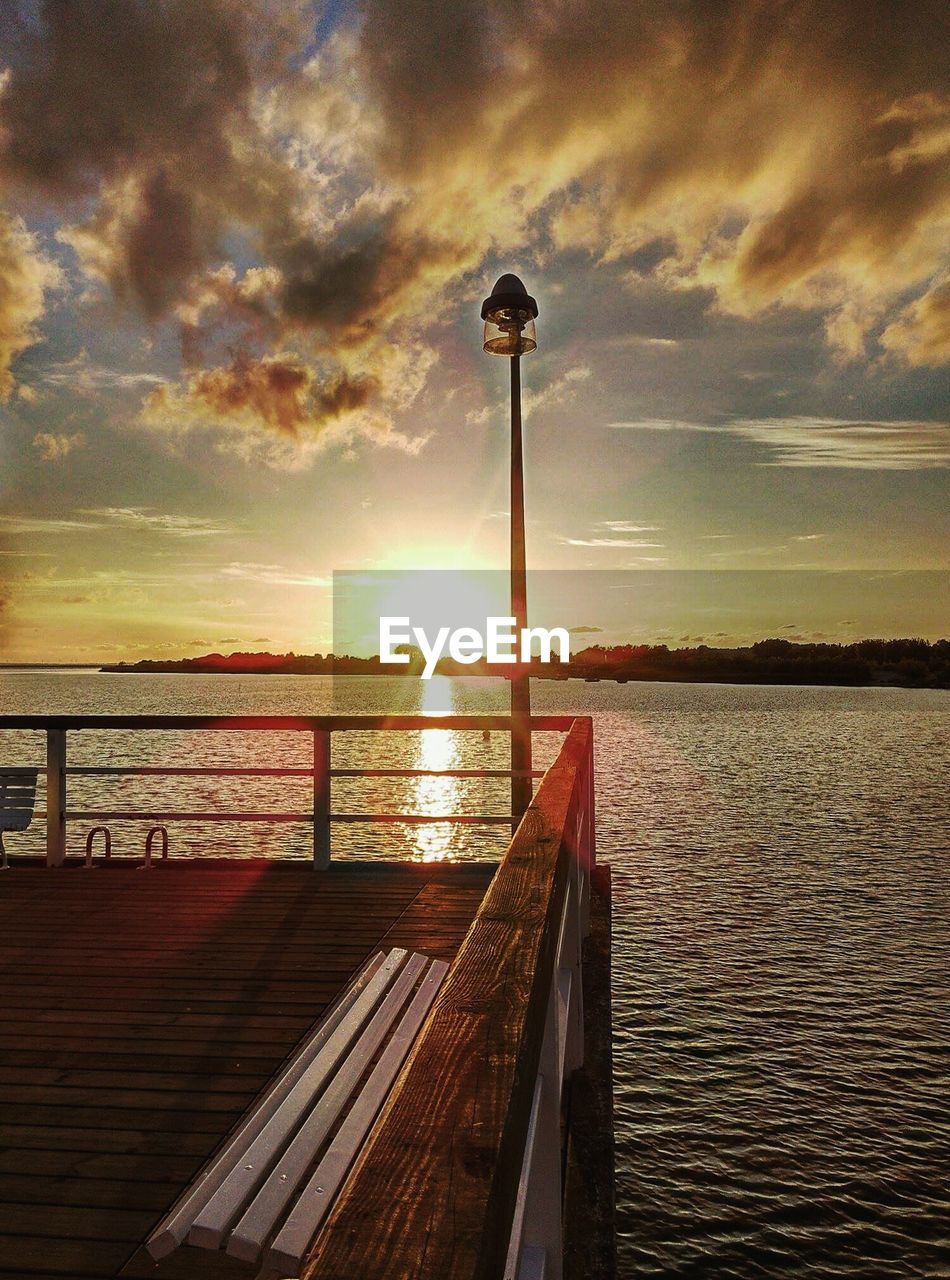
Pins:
x: 509, y: 314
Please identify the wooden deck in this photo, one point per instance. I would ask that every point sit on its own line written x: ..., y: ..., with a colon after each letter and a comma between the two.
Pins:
x: 142, y: 1012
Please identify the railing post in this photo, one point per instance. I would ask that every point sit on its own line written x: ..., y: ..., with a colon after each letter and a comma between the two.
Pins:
x: 55, y: 797
x: 321, y: 799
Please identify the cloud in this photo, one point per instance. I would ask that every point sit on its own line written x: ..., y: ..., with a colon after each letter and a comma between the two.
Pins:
x: 55, y: 446
x: 147, y: 518
x: 556, y: 392
x: 142, y: 518
x: 43, y: 524
x: 26, y: 275
x: 660, y: 424
x: 585, y: 631
x: 279, y: 392
x: 274, y: 575
x: 148, y: 110
x: 320, y: 207
x: 607, y: 542
x: 829, y: 442
x: 81, y: 376
x: 625, y: 526
x: 790, y: 154
x: 920, y: 335
x: 281, y: 410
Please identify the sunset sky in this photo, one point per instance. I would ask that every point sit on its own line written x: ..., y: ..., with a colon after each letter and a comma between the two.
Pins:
x: 243, y: 245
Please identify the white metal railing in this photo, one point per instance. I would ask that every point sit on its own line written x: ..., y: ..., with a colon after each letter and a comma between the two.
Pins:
x: 320, y: 816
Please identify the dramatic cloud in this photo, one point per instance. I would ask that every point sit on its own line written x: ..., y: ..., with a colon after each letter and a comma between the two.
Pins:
x: 148, y: 108
x: 278, y: 410
x: 55, y: 446
x: 25, y: 276
x: 217, y: 165
x: 792, y: 153
x: 921, y: 333
x: 279, y: 392
x: 789, y: 152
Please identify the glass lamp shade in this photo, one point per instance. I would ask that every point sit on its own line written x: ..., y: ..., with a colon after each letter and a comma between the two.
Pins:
x: 510, y: 331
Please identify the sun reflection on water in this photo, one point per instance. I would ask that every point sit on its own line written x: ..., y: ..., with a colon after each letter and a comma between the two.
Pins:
x: 437, y: 749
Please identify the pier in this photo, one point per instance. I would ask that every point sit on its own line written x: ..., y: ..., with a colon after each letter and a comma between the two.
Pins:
x: 144, y: 1014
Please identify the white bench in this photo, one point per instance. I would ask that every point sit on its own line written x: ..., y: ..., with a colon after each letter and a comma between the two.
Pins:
x: 263, y: 1197
x: 17, y: 801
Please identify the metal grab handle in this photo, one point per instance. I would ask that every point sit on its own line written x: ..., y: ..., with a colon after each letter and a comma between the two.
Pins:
x: 96, y: 831
x: 155, y: 831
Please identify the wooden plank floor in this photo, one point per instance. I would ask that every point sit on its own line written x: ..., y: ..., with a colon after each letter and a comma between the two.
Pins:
x: 140, y: 1014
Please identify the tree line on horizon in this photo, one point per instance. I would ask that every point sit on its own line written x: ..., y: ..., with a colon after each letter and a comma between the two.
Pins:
x: 911, y: 662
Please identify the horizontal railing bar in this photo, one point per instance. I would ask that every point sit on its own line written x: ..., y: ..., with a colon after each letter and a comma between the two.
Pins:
x: 101, y: 815
x: 436, y: 773
x: 158, y: 770
x: 286, y: 724
x: 210, y: 772
x: 117, y: 816
x: 416, y: 819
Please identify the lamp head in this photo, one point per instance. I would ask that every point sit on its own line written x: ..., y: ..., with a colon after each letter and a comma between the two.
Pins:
x: 509, y: 313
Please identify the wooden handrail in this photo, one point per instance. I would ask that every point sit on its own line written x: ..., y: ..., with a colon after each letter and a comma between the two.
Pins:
x: 434, y: 1192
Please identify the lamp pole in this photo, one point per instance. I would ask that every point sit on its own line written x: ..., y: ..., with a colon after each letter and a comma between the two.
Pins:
x: 520, y: 683
x: 509, y: 315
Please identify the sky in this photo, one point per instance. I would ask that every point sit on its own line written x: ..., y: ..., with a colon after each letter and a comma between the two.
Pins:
x: 243, y: 247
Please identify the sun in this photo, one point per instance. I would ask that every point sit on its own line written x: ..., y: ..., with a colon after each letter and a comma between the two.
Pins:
x: 408, y: 557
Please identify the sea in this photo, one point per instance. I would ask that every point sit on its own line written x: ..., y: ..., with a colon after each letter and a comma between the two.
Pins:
x: 781, y: 926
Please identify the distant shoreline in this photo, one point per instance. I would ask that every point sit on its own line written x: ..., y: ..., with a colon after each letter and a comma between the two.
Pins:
x: 909, y: 663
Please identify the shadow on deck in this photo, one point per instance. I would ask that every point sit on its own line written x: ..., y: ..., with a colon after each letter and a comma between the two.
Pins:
x: 143, y: 1012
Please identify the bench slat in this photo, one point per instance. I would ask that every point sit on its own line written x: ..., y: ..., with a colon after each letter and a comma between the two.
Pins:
x: 247, y: 1238
x: 241, y: 1182
x: 174, y: 1227
x: 303, y: 1221
x: 17, y: 798
x: 15, y: 819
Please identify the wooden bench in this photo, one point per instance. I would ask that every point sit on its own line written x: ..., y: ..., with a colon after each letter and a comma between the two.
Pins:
x: 17, y: 801
x: 263, y: 1197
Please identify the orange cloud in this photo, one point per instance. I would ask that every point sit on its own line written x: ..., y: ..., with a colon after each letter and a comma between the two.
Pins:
x: 921, y: 333
x: 25, y: 277
x: 279, y: 392
x: 55, y: 446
